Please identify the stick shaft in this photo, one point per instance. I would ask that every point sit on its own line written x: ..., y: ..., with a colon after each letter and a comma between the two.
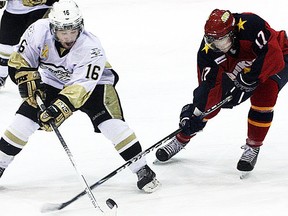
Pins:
x: 70, y: 156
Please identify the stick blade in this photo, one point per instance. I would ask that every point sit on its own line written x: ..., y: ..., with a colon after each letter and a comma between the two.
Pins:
x: 48, y: 207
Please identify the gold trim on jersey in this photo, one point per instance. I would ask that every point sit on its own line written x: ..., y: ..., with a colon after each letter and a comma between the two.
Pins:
x: 5, y: 54
x: 62, y: 51
x: 14, y: 139
x: 76, y: 94
x: 108, y: 65
x: 17, y: 61
x: 111, y: 102
x: 47, y: 13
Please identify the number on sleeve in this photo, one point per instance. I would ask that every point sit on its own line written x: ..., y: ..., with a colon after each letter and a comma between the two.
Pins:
x: 205, y: 72
x: 22, y: 46
x: 261, y: 40
x: 92, y: 72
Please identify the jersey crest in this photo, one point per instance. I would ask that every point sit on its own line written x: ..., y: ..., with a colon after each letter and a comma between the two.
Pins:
x: 61, y: 73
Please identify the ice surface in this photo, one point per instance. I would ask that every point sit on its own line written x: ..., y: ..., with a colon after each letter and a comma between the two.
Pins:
x: 152, y: 44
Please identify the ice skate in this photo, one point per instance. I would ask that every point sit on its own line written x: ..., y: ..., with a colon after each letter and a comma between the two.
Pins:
x: 169, y: 150
x: 147, y: 179
x: 248, y: 160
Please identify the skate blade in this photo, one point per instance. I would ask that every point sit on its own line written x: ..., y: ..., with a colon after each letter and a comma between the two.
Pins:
x: 245, y: 174
x: 151, y: 186
x: 157, y: 162
x: 170, y: 161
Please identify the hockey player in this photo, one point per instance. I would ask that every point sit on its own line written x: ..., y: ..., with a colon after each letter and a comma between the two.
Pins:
x: 67, y: 66
x: 242, y: 56
x: 17, y: 16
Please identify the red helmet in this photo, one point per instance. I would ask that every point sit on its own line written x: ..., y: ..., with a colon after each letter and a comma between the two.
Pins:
x: 219, y: 23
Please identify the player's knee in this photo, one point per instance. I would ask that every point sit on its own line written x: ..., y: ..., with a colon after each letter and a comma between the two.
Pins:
x: 266, y: 94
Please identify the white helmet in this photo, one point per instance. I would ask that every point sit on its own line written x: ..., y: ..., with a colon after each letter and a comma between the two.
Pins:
x: 65, y: 15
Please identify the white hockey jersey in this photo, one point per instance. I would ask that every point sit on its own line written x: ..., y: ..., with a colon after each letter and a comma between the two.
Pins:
x: 17, y: 7
x: 83, y: 66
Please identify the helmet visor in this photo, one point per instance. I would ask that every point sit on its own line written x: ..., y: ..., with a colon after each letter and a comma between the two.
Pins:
x: 77, y: 24
x: 222, y: 44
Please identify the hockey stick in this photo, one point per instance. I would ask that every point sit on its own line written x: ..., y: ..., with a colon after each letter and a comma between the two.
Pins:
x: 50, y: 207
x: 216, y: 106
x: 124, y: 166
x: 140, y: 155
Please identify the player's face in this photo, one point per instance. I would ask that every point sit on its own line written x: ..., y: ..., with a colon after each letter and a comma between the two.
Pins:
x: 222, y: 44
x: 67, y: 38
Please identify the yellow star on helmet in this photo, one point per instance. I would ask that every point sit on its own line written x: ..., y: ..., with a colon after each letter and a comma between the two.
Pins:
x: 206, y: 48
x: 240, y: 24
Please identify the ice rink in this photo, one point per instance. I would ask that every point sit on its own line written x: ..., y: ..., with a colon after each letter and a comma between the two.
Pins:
x: 152, y: 44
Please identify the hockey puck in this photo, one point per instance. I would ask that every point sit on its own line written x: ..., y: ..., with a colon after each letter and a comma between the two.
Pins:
x: 111, y: 203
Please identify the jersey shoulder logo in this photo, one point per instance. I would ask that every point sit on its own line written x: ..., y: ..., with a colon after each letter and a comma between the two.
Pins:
x: 30, y: 30
x: 240, y: 24
x: 45, y: 52
x: 95, y: 52
x: 206, y: 48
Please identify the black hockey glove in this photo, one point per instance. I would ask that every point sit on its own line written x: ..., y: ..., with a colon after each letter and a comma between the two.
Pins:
x: 29, y: 82
x: 57, y: 112
x: 190, y: 120
x: 2, y: 4
x: 241, y: 91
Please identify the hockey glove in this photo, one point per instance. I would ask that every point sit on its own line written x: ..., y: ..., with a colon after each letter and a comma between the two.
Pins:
x: 2, y: 4
x: 32, y: 3
x: 57, y: 112
x: 241, y: 91
x: 190, y: 120
x: 29, y: 82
